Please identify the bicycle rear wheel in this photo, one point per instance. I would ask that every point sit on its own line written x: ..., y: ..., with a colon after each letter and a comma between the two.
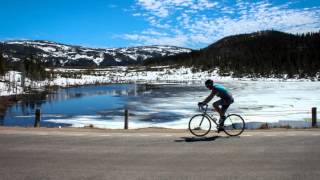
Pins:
x: 199, y: 125
x: 234, y: 125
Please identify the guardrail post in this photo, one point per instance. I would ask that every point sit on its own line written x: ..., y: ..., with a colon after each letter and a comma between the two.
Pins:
x: 37, y: 118
x: 314, y: 117
x: 126, y: 115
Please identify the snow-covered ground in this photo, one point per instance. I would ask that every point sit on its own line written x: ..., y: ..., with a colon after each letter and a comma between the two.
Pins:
x: 279, y: 102
x: 107, y: 75
x: 10, y: 84
x: 118, y: 75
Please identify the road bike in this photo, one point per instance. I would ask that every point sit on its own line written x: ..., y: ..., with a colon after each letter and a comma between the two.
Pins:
x: 200, y: 124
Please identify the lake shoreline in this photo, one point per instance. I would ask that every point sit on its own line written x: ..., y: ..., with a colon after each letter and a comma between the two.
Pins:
x: 8, y: 101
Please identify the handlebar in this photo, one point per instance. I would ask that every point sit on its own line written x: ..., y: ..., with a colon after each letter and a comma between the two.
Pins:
x: 203, y: 107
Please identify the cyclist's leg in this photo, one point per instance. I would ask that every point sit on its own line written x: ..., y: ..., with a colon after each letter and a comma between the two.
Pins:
x: 217, y: 105
x: 226, y: 104
x: 223, y: 117
x: 224, y: 109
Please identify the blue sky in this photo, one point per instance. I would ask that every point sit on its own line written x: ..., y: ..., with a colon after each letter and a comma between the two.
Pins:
x: 121, y: 23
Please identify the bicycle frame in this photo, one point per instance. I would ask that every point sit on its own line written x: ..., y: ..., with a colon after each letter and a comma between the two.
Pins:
x: 204, y: 112
x: 238, y: 125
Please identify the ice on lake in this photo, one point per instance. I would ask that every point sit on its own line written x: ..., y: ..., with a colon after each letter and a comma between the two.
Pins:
x: 172, y: 105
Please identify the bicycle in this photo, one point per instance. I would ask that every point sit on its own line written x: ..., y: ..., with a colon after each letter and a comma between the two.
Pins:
x: 200, y: 124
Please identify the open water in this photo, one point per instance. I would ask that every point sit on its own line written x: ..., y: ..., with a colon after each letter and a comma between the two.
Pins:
x: 166, y: 105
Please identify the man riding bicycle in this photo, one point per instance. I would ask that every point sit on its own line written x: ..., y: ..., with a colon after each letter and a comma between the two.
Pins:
x: 224, y: 102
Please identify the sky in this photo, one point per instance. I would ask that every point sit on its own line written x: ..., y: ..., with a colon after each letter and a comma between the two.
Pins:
x: 122, y: 23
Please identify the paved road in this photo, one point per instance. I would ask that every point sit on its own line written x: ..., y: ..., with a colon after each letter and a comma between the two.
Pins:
x: 84, y: 154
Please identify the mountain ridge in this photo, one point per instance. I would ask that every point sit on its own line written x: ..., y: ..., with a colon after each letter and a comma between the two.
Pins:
x: 55, y: 54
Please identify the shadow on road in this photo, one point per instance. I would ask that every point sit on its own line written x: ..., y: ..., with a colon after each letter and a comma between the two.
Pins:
x: 196, y: 139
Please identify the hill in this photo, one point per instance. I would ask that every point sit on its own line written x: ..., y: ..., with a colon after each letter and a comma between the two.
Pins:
x: 260, y: 54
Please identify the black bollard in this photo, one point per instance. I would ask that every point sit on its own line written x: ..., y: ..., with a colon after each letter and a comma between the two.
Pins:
x: 37, y: 118
x: 314, y: 117
x: 126, y: 114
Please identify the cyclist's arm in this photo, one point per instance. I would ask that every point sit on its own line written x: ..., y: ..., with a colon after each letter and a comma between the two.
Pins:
x: 208, y: 99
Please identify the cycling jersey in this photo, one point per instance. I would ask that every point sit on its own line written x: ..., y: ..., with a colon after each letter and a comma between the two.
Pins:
x: 222, y: 92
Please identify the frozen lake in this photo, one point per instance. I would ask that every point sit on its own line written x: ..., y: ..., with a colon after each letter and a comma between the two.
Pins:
x: 167, y: 105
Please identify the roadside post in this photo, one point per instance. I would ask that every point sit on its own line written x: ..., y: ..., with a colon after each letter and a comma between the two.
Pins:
x: 126, y: 114
x: 37, y: 118
x: 314, y: 117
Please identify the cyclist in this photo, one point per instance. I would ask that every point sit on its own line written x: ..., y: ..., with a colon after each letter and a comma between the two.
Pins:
x: 224, y: 102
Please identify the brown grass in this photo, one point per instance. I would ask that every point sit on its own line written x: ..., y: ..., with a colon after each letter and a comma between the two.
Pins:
x: 265, y: 126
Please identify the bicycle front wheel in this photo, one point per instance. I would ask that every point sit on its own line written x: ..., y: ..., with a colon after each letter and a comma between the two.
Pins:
x: 199, y: 125
x: 234, y: 125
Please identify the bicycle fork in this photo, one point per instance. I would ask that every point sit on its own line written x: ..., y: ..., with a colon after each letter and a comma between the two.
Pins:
x: 201, y: 121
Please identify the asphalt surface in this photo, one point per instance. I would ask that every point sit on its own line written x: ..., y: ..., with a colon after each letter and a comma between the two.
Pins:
x: 161, y: 155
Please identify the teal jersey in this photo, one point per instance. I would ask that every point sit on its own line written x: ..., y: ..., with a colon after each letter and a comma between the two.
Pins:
x: 221, y: 91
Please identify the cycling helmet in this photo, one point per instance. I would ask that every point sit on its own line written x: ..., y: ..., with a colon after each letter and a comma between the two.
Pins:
x: 209, y: 83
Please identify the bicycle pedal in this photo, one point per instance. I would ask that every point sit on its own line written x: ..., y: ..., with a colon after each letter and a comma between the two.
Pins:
x: 220, y: 129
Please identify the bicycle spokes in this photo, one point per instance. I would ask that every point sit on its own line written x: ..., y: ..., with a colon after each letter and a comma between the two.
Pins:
x: 234, y: 125
x: 199, y: 125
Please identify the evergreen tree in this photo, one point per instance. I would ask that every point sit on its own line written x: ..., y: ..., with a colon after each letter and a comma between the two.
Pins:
x: 2, y: 66
x: 34, y: 69
x: 258, y: 54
